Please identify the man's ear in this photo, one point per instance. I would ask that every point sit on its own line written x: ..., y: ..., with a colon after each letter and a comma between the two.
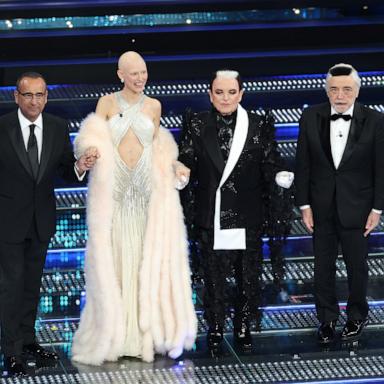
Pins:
x: 16, y: 96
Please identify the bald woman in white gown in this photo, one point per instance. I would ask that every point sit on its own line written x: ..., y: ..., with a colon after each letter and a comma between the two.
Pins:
x: 134, y: 125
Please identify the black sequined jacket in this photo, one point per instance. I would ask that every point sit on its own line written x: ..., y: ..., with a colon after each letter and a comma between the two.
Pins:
x: 242, y: 202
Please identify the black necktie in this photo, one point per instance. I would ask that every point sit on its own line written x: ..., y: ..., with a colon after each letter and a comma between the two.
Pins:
x: 32, y: 151
x: 336, y: 116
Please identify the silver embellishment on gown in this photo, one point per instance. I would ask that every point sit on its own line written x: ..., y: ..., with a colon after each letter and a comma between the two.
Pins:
x: 131, y: 197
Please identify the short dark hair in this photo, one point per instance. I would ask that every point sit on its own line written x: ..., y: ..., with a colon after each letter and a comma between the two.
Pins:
x: 231, y: 74
x: 30, y: 74
x: 342, y: 69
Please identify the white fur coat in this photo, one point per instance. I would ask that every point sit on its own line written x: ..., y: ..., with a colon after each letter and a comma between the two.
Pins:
x: 166, y: 313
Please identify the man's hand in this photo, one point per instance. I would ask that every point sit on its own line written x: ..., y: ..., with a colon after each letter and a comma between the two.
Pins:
x: 372, y: 222
x: 307, y: 217
x: 87, y: 160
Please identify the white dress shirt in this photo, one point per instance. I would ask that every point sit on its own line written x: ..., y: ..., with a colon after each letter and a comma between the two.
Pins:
x: 339, y: 130
x: 25, y: 130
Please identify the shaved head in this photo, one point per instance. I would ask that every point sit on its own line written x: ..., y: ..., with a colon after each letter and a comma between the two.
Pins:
x: 132, y: 72
x: 129, y: 58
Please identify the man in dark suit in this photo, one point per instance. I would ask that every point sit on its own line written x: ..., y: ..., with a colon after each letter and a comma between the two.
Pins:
x: 233, y: 161
x: 340, y: 191
x: 33, y: 147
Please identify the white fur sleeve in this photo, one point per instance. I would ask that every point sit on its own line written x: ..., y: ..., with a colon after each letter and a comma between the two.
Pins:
x: 93, y: 132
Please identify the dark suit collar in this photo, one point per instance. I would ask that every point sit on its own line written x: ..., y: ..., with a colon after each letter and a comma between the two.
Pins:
x: 212, y: 144
x: 17, y: 141
x: 47, y: 147
x: 323, y: 124
x: 355, y: 130
x: 358, y: 113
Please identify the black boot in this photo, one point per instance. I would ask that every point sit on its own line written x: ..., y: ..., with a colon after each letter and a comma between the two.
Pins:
x: 14, y: 366
x: 241, y: 328
x: 214, y: 336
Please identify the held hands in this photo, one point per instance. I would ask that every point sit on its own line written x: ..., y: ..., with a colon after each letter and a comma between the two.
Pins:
x: 182, y: 174
x: 307, y: 217
x: 87, y: 160
x: 372, y: 222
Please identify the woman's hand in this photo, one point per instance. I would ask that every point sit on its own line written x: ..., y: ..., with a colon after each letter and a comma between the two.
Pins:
x: 182, y: 174
x: 87, y: 160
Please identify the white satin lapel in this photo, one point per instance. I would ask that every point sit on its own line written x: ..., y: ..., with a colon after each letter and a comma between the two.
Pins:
x: 233, y: 238
x: 238, y: 142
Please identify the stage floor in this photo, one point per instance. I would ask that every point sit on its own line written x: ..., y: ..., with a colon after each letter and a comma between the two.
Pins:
x: 284, y: 350
x: 288, y: 357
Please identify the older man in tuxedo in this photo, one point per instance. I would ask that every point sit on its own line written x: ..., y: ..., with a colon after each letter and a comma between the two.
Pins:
x: 340, y: 191
x: 33, y: 147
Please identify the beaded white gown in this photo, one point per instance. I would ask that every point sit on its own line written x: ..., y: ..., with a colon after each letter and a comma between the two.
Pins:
x: 131, y: 197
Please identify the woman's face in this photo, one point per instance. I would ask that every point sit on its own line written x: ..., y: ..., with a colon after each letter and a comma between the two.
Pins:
x: 225, y: 95
x: 135, y: 75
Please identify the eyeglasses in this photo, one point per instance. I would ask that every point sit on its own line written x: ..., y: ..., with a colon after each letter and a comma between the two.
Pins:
x: 29, y: 95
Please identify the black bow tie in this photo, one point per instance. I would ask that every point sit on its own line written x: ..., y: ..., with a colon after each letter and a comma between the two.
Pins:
x: 336, y: 116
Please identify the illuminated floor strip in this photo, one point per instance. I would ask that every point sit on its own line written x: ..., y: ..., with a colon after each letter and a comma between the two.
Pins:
x: 332, y: 370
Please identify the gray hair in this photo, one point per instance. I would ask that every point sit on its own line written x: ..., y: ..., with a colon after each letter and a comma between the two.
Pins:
x: 343, y: 69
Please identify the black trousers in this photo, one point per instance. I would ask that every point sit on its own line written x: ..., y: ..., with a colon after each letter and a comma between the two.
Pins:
x: 218, y: 265
x: 21, y: 268
x: 354, y: 246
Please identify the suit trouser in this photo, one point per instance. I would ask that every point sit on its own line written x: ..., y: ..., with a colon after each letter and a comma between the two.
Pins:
x: 21, y: 268
x: 354, y: 246
x: 218, y: 265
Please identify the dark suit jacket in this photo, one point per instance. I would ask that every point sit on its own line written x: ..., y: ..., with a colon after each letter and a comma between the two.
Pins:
x: 20, y: 195
x: 357, y: 185
x: 241, y: 194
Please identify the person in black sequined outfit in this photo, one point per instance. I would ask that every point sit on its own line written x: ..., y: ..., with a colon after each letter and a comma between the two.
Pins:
x: 233, y: 158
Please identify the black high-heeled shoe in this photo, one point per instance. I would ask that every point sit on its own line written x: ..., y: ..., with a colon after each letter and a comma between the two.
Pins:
x: 14, y: 366
x: 241, y: 327
x: 214, y: 336
x: 241, y: 330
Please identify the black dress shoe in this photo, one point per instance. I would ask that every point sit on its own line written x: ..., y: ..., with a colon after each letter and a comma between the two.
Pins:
x: 326, y: 332
x: 14, y: 366
x: 214, y: 336
x: 352, y: 329
x: 37, y: 351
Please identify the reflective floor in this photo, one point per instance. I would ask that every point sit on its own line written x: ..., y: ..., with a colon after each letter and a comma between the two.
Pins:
x: 284, y: 357
x: 284, y: 349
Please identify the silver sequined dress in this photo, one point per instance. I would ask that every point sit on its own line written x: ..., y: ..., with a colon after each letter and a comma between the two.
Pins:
x: 131, y: 197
